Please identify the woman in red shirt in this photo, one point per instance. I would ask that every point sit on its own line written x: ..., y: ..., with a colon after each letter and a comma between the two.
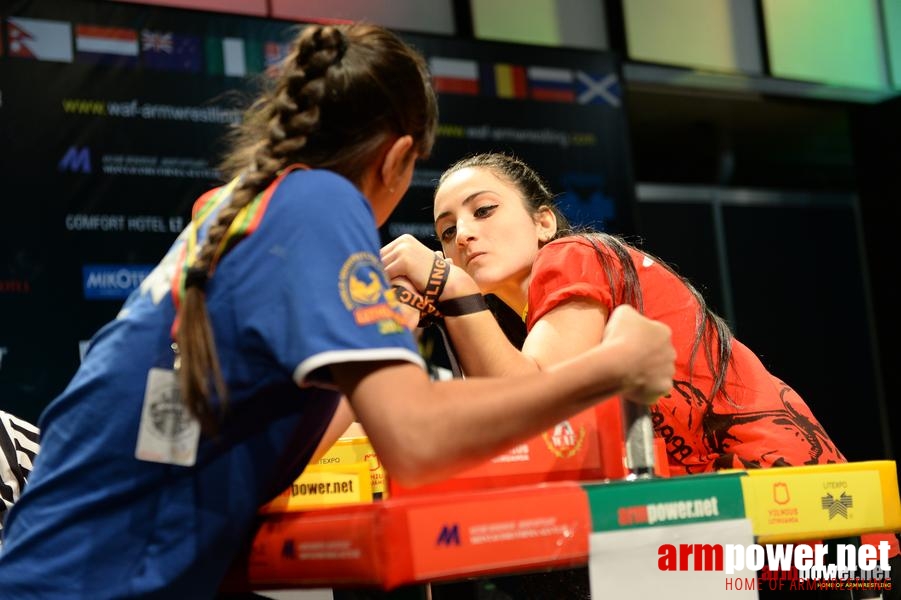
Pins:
x: 503, y: 235
x: 497, y: 221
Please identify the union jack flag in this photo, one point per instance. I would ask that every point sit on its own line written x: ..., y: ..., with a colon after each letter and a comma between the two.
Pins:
x: 167, y: 51
x: 156, y: 41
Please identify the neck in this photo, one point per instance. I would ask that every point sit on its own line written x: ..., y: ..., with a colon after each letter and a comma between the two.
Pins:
x: 514, y: 292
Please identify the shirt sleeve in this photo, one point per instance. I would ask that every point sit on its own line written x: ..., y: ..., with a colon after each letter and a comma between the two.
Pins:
x: 331, y: 301
x: 565, y: 270
x: 19, y: 443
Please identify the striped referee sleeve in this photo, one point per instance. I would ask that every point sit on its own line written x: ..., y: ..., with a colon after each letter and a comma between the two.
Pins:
x: 19, y: 443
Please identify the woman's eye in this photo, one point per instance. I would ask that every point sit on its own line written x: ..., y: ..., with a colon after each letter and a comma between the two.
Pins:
x: 447, y: 235
x: 484, y: 211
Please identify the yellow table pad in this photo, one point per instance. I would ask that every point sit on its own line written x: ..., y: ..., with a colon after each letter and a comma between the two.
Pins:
x: 822, y: 501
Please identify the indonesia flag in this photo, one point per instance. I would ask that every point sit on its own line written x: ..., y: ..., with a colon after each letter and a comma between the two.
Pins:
x: 454, y: 75
x: 106, y: 45
x: 39, y: 39
x: 551, y: 84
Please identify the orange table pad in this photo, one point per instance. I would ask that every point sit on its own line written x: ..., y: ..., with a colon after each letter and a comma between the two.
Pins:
x: 402, y: 541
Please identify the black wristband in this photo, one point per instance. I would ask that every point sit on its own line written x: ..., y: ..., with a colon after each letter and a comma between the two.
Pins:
x: 428, y: 314
x: 437, y: 279
x: 464, y: 305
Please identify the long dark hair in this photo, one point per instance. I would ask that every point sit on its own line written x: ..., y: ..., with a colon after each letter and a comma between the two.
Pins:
x: 712, y: 333
x: 341, y: 94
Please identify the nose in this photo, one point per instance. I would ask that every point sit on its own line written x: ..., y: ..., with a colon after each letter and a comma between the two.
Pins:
x: 464, y: 233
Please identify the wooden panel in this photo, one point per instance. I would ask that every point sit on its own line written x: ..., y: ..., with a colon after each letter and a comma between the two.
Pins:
x: 434, y: 16
x: 257, y: 8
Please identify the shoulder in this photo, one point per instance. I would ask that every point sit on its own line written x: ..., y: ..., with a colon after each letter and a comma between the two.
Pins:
x: 572, y: 243
x: 568, y: 259
x: 566, y: 249
x: 591, y: 245
x: 319, y: 194
x: 317, y: 180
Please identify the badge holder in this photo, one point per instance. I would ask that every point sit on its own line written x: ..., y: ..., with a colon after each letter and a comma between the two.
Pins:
x: 168, y: 433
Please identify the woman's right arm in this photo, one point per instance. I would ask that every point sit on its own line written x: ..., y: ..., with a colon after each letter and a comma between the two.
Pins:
x: 566, y: 330
x: 425, y: 431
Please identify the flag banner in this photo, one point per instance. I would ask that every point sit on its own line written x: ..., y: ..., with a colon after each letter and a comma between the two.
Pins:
x: 167, y: 51
x: 504, y: 80
x: 454, y: 75
x: 233, y: 56
x: 39, y: 39
x: 274, y: 53
x: 127, y: 134
x: 596, y: 88
x: 550, y: 84
x: 113, y: 46
x: 233, y: 61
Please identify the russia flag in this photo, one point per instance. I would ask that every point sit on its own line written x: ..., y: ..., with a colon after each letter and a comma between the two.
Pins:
x: 551, y: 84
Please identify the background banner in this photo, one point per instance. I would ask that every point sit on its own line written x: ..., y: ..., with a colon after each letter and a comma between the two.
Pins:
x: 112, y: 120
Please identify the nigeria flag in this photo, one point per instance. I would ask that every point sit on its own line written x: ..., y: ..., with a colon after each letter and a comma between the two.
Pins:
x: 233, y: 56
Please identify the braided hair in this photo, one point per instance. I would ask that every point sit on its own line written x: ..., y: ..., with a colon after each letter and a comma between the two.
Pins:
x: 341, y: 94
x: 712, y: 333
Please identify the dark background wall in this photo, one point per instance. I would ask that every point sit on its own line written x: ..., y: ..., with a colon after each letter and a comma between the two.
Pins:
x: 792, y: 196
x: 876, y: 139
x: 100, y: 167
x: 777, y: 198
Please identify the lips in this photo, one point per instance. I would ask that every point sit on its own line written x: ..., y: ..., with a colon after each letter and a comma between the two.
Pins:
x: 473, y: 256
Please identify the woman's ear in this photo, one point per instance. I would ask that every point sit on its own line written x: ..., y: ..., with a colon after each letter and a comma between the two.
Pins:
x: 396, y: 161
x: 545, y: 224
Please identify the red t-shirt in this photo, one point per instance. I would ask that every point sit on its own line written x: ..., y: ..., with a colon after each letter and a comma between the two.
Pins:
x: 764, y: 423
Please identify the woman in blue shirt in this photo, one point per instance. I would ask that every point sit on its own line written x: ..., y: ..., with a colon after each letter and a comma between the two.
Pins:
x: 210, y: 391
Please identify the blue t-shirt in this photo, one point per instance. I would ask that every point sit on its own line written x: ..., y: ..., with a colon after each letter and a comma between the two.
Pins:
x: 304, y: 291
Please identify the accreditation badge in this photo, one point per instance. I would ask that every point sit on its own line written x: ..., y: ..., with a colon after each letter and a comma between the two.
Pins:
x: 168, y: 432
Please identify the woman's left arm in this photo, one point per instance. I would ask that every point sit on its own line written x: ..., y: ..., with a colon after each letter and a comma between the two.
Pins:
x: 566, y: 331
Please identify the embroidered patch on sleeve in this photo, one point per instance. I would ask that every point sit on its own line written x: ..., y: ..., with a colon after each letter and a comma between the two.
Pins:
x: 365, y: 293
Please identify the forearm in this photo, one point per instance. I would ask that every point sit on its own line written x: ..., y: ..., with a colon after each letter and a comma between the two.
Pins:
x: 426, y: 431
x: 482, y: 348
x: 517, y: 408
